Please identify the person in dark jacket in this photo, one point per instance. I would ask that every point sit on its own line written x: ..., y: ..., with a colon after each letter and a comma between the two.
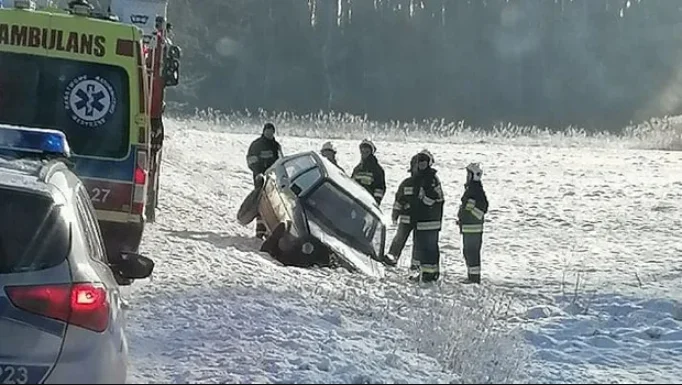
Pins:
x: 368, y: 173
x: 470, y: 218
x: 329, y: 151
x: 263, y: 153
x: 401, y: 215
x: 426, y: 213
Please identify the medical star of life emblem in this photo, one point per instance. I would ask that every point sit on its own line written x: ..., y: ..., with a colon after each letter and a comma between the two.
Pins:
x: 90, y: 100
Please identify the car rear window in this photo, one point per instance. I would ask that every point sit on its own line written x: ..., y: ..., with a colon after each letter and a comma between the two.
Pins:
x: 34, y: 234
x: 89, y: 102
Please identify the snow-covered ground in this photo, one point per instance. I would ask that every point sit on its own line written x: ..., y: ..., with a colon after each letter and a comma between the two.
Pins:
x: 580, y: 262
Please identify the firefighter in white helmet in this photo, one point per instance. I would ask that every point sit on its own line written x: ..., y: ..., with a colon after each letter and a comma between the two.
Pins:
x: 329, y: 151
x: 471, y: 216
x: 368, y: 173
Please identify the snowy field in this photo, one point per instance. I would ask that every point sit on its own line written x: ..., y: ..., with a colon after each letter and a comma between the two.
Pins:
x: 581, y: 268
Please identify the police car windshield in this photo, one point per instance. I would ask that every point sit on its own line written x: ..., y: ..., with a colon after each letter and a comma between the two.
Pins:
x: 33, y: 233
x: 87, y: 101
x: 343, y: 217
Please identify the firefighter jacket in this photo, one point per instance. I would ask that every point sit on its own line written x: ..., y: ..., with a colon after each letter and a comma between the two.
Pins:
x: 427, y: 201
x: 403, y: 201
x: 263, y: 152
x: 370, y: 175
x: 473, y: 208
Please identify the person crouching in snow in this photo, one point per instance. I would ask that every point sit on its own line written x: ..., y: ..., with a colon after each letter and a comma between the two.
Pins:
x: 401, y: 215
x: 426, y: 213
x: 329, y: 151
x: 471, y: 216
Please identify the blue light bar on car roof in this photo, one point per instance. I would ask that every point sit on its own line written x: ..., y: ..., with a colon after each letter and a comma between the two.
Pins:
x: 34, y: 140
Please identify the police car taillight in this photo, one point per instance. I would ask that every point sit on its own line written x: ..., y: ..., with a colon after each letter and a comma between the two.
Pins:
x: 81, y: 304
x: 34, y: 140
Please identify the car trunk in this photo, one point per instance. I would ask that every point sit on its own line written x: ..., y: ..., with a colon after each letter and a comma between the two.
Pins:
x: 34, y: 285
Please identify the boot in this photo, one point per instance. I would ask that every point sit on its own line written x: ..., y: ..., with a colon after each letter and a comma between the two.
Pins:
x: 390, y: 260
x: 430, y: 277
x: 472, y: 278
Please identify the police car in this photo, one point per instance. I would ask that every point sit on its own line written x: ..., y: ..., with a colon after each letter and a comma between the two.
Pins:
x: 61, y: 312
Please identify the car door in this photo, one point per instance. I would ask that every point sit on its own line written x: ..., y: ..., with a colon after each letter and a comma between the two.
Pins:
x: 98, y: 256
x: 270, y: 201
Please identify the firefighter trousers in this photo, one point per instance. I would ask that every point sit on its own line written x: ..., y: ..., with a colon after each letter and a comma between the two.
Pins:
x: 471, y: 247
x: 427, y: 251
x: 261, y: 230
x: 398, y: 244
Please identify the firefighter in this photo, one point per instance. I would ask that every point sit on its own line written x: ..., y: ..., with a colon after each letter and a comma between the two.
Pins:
x: 426, y: 212
x: 329, y: 151
x: 369, y: 173
x: 401, y: 215
x: 470, y: 218
x: 262, y: 153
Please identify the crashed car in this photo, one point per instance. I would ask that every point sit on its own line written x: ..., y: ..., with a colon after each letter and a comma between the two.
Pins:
x: 315, y: 214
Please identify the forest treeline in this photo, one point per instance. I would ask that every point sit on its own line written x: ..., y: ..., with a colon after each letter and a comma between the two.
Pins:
x: 592, y: 63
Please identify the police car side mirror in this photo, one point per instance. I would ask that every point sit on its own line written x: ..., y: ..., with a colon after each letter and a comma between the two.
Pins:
x: 133, y: 266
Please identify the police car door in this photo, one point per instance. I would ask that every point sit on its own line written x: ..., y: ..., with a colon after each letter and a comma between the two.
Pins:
x: 98, y: 256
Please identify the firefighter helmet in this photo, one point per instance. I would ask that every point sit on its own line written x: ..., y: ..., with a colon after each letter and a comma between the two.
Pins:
x: 328, y: 146
x: 368, y: 143
x: 427, y: 155
x: 475, y: 171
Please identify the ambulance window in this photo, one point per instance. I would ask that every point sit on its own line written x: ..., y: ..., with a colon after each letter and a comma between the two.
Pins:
x: 15, y: 90
x: 89, y: 102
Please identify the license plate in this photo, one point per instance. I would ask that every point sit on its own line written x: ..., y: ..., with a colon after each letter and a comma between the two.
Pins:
x: 21, y: 374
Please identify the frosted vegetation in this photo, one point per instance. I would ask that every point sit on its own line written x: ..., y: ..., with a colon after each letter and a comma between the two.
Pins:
x: 655, y: 134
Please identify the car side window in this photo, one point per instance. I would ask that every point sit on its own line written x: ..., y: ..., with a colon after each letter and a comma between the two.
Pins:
x: 85, y: 200
x: 306, y: 181
x: 89, y: 224
x: 299, y: 164
x: 87, y: 233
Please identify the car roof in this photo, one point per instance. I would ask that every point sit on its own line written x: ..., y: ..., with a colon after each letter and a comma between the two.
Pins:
x: 342, y: 180
x: 29, y: 175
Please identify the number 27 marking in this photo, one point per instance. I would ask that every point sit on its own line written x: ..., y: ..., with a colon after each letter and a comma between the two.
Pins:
x: 100, y: 195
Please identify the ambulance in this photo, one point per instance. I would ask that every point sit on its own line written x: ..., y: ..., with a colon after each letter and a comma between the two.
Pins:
x: 78, y: 67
